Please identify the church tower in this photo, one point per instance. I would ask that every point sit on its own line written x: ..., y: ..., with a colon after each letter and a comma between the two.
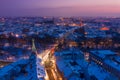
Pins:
x: 34, y: 50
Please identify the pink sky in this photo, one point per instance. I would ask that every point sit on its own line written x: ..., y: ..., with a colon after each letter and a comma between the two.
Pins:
x: 60, y: 7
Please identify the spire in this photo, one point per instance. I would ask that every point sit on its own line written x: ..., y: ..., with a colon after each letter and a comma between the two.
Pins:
x: 33, y: 46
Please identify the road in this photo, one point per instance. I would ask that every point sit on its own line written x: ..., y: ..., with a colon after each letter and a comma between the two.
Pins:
x: 50, y: 74
x: 49, y: 63
x: 47, y: 58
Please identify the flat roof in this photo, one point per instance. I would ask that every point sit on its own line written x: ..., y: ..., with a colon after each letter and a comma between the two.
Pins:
x: 113, y: 64
x: 103, y: 53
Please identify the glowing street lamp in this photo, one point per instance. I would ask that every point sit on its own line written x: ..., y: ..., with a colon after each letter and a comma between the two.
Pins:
x: 16, y: 35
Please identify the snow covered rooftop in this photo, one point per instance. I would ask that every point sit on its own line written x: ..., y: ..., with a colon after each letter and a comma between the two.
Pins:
x: 25, y: 69
x: 113, y: 64
x: 99, y: 72
x: 103, y: 53
x: 12, y: 66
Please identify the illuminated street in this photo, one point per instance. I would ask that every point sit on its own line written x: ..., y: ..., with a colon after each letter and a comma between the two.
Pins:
x: 49, y: 62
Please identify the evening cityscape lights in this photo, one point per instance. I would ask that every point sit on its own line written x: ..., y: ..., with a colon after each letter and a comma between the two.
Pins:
x: 59, y: 40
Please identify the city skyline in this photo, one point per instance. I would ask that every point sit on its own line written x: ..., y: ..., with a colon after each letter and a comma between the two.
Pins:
x: 59, y: 8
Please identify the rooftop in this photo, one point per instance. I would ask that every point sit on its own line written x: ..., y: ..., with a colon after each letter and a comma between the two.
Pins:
x: 103, y: 53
